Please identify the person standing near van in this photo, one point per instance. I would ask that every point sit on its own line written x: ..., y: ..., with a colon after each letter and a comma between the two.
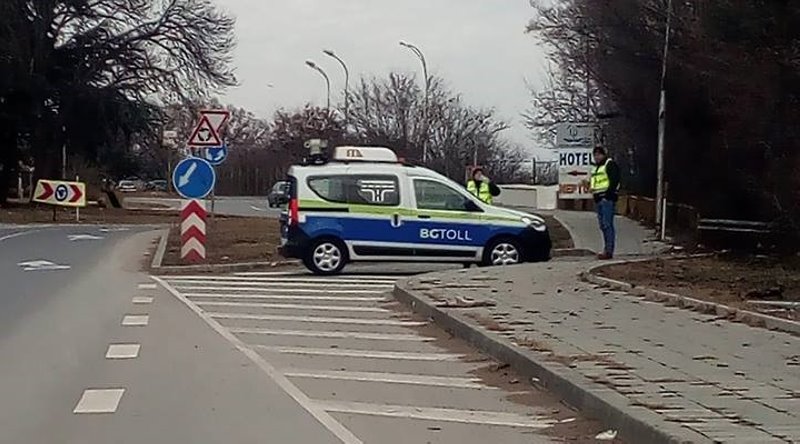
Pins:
x: 482, y: 187
x: 605, y: 185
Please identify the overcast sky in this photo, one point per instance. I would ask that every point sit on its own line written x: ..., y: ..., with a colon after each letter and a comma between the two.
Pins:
x: 479, y: 46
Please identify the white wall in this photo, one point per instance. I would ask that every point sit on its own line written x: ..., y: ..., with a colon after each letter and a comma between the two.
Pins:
x: 528, y: 196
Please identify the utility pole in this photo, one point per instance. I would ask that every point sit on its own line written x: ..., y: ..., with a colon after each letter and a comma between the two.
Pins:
x: 662, y: 126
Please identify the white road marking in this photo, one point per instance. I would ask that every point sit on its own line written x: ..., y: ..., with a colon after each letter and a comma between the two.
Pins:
x: 18, y: 234
x: 287, y: 290
x: 249, y: 283
x: 286, y: 297
x: 333, y: 334
x: 294, y: 307
x: 324, y: 418
x: 255, y: 208
x: 439, y: 414
x: 99, y: 401
x: 147, y: 286
x: 42, y: 265
x: 142, y: 300
x: 259, y: 273
x: 318, y: 320
x: 114, y: 230
x: 306, y: 275
x: 370, y: 354
x: 391, y: 378
x: 83, y: 237
x: 299, y: 279
x: 135, y: 320
x: 123, y: 351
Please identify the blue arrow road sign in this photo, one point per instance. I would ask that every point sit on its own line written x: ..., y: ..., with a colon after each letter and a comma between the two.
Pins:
x: 216, y: 155
x: 194, y: 178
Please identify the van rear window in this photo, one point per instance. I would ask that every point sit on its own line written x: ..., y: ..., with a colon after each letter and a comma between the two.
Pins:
x: 381, y: 190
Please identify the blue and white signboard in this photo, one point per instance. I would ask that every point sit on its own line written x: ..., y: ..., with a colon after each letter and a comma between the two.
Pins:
x: 215, y: 155
x: 194, y: 178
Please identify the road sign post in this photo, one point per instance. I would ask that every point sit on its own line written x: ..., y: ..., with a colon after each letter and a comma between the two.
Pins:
x: 193, y: 231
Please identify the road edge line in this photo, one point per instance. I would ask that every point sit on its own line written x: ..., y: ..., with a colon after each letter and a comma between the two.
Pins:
x: 322, y: 416
x: 634, y: 424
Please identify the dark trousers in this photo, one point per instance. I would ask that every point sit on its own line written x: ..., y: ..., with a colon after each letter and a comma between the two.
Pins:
x: 605, y: 216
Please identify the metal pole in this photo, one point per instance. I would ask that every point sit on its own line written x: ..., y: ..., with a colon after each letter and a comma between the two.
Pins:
x: 421, y: 56
x: 330, y: 53
x: 662, y: 119
x: 64, y: 153
x: 317, y: 68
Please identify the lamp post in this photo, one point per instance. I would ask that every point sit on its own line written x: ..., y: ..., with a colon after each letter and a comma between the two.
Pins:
x: 662, y: 128
x: 421, y: 56
x: 332, y: 54
x: 317, y: 68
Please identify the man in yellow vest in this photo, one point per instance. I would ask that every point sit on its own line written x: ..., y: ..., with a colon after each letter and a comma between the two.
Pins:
x: 605, y: 188
x: 482, y: 187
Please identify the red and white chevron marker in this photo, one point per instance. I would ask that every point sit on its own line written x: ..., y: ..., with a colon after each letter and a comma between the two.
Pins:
x: 193, y: 231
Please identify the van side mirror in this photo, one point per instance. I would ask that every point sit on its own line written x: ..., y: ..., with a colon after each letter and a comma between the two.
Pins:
x: 471, y: 206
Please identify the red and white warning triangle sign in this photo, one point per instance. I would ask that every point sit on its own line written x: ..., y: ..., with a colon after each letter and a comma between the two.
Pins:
x: 205, y: 134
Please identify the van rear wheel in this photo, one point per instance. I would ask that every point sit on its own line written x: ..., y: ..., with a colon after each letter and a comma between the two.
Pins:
x: 326, y: 257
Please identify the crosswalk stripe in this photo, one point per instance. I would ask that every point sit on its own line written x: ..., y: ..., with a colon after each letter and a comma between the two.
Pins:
x: 294, y: 306
x: 287, y: 297
x: 391, y: 378
x: 233, y: 284
x: 438, y: 414
x: 286, y: 290
x: 333, y: 334
x: 319, y: 320
x: 371, y: 354
x: 284, y: 279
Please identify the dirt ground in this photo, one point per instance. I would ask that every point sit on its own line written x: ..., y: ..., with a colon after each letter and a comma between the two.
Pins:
x: 558, y: 234
x: 232, y: 240
x: 28, y: 214
x: 724, y: 279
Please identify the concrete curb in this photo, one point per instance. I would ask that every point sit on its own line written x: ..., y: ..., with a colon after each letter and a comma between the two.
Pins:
x: 750, y: 318
x: 158, y: 256
x: 222, y: 268
x: 634, y: 424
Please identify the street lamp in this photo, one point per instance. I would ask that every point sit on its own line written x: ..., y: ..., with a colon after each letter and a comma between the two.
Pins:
x: 662, y: 129
x: 421, y: 56
x: 332, y: 54
x: 317, y: 68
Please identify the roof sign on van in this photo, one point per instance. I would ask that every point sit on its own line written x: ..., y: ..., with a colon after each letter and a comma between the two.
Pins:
x: 364, y: 154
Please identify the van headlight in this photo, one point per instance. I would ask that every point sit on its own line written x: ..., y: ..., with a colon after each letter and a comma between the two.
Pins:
x: 535, y: 223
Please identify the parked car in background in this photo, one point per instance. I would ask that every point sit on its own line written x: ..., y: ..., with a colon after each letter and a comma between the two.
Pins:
x: 279, y: 195
x: 127, y: 186
x: 157, y: 185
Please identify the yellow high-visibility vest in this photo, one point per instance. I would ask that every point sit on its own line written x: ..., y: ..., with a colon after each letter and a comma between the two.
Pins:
x: 600, y: 180
x: 484, y: 194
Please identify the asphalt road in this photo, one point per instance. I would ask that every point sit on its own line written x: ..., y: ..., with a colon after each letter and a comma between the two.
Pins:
x: 231, y: 206
x: 96, y: 351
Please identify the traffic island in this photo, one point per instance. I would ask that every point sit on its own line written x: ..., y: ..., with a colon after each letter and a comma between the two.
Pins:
x: 654, y: 373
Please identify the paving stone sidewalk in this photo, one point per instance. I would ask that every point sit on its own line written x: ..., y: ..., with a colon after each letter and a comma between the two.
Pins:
x: 713, y: 379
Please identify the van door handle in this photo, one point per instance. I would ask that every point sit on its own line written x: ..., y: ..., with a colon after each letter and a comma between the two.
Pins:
x: 423, y: 216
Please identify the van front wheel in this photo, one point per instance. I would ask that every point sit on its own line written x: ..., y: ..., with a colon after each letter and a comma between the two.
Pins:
x: 326, y: 257
x: 503, y: 251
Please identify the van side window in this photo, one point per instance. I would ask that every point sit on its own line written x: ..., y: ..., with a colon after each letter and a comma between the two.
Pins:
x: 437, y: 196
x: 380, y: 190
